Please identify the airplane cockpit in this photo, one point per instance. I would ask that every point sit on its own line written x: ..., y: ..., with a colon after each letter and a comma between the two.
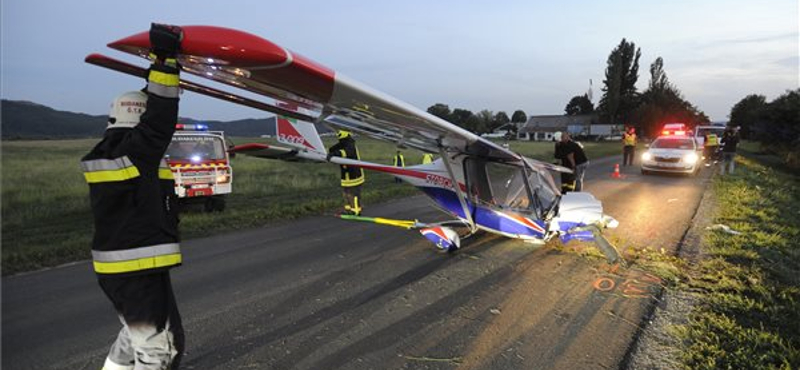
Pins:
x: 509, y: 187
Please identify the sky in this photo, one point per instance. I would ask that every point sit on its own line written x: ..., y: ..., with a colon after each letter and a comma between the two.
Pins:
x: 497, y: 55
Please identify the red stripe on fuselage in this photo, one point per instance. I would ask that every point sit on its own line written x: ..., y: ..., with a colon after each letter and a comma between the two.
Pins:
x: 405, y: 172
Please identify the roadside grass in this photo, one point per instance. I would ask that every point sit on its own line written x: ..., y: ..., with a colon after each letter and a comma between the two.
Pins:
x: 46, y: 219
x: 746, y: 286
x: 748, y: 316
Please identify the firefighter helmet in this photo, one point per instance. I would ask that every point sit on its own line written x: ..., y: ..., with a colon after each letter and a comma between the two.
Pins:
x: 342, y: 134
x: 126, y: 110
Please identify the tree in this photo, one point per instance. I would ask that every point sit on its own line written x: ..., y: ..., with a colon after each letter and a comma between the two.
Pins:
x: 519, y: 117
x: 485, y: 118
x: 440, y: 110
x: 778, y: 127
x: 500, y: 119
x: 747, y: 112
x: 619, y: 94
x: 473, y: 123
x: 662, y: 103
x: 460, y: 117
x: 579, y: 104
x: 658, y: 78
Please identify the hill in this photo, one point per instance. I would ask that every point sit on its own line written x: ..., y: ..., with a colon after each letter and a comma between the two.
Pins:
x: 28, y: 120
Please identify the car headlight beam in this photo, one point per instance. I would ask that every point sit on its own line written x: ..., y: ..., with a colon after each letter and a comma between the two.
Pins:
x: 646, y: 156
x: 691, y: 158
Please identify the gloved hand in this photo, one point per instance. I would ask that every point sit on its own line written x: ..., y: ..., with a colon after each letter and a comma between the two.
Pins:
x: 328, y: 157
x: 165, y: 41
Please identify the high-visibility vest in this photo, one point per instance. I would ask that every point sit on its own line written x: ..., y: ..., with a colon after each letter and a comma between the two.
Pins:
x: 711, y: 140
x: 427, y: 158
x: 399, y: 160
x: 629, y: 139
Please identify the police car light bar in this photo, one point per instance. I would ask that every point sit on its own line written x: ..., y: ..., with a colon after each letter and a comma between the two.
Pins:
x: 191, y: 127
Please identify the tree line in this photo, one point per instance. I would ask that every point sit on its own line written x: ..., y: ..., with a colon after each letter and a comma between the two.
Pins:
x: 662, y: 102
x: 775, y: 124
x: 479, y: 123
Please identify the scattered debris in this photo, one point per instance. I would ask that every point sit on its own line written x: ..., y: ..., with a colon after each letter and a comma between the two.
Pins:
x: 455, y: 360
x: 672, y: 200
x: 723, y: 228
x: 495, y: 311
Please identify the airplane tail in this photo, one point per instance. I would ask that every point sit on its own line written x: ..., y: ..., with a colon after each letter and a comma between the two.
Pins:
x: 299, y: 134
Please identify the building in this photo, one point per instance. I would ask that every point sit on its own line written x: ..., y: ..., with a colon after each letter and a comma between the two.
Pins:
x: 542, y: 128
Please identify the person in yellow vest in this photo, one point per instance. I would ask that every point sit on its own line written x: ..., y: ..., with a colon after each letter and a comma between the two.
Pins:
x: 399, y: 161
x: 427, y: 158
x: 351, y: 177
x: 133, y: 202
x: 710, y: 148
x: 629, y: 147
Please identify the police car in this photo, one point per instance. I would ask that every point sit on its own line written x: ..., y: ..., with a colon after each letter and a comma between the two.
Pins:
x: 673, y: 153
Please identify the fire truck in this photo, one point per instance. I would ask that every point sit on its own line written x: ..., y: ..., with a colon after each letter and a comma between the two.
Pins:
x: 201, y: 166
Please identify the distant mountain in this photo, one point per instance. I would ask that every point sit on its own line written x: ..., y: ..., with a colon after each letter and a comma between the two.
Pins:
x: 27, y: 120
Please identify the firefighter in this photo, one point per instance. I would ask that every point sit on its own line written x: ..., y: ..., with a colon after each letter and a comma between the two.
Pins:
x: 133, y: 202
x: 629, y: 147
x: 567, y: 179
x: 427, y: 158
x: 710, y: 148
x: 399, y: 161
x: 351, y: 177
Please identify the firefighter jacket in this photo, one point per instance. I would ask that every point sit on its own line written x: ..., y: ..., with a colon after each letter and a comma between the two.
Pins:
x: 132, y: 190
x: 629, y: 139
x: 346, y: 148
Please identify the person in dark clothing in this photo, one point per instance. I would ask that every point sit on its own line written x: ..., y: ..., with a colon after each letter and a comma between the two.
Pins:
x: 730, y: 140
x: 351, y: 177
x: 132, y: 195
x: 399, y: 161
x: 574, y: 158
x: 567, y: 179
x: 628, y: 146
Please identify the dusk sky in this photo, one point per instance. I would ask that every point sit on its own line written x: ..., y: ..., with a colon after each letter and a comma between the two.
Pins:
x: 496, y: 55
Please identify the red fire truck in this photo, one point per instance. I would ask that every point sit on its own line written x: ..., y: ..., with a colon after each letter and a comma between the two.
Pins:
x: 201, y: 166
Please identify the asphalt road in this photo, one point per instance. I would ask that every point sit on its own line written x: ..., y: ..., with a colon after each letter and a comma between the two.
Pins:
x: 321, y: 293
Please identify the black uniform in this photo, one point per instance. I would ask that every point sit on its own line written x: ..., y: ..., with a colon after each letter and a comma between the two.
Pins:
x: 567, y: 179
x: 136, y: 238
x: 351, y: 177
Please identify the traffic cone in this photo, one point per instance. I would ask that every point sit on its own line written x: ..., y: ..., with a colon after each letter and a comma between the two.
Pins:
x: 616, y: 174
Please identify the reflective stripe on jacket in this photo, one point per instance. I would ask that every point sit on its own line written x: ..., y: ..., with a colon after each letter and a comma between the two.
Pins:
x: 132, y: 194
x: 350, y: 175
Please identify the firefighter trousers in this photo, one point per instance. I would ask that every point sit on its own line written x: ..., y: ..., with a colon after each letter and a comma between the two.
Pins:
x: 152, y: 334
x: 352, y: 199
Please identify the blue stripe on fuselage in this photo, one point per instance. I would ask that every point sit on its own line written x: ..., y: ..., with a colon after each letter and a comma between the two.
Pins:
x: 483, y: 216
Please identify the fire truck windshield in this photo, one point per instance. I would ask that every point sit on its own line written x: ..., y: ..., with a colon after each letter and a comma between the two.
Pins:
x: 195, y: 148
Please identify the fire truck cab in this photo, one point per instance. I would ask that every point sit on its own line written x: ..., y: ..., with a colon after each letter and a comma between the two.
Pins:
x: 201, y: 165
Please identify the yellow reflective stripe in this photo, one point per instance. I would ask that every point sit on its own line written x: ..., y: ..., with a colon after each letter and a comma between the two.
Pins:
x: 165, y: 174
x: 123, y: 174
x: 137, y: 264
x: 166, y: 79
x: 354, y: 182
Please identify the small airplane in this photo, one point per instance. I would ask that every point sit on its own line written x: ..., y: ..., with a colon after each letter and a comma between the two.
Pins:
x: 482, y: 185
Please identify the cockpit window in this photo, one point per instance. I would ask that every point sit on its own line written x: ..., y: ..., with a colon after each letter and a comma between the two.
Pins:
x: 504, y: 186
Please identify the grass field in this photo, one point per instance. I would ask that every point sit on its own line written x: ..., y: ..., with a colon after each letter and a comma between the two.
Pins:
x: 45, y: 208
x: 748, y: 285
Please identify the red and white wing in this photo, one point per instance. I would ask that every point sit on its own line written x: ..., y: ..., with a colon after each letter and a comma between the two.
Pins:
x: 257, y: 65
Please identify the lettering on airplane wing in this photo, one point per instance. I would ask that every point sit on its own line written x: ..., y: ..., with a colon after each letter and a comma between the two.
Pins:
x: 440, y: 181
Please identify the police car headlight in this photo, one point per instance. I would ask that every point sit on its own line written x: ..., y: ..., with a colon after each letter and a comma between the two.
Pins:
x: 223, y: 179
x: 691, y: 158
x: 646, y: 156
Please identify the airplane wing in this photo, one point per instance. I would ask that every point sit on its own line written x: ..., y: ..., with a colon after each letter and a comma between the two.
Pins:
x: 254, y: 64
